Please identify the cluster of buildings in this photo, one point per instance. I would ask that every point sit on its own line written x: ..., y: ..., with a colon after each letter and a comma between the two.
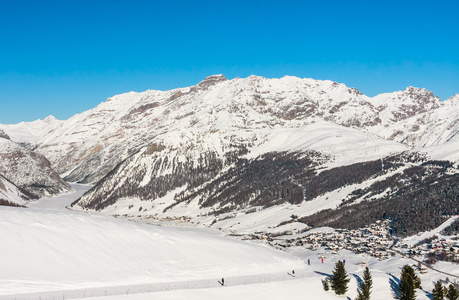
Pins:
x: 374, y: 239
x: 439, y: 248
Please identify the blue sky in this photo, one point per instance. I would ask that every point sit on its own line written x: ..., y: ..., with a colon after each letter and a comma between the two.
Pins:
x: 65, y: 57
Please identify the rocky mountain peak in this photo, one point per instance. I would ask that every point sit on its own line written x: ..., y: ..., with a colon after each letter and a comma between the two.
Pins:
x: 421, y: 94
x: 29, y: 170
x: 211, y: 80
x: 50, y: 119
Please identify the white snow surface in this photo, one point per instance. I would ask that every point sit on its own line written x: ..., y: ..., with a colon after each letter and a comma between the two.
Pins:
x: 48, y: 252
x: 342, y: 144
x: 51, y: 249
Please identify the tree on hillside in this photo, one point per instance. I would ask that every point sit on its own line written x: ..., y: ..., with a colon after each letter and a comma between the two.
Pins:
x: 339, y: 279
x: 367, y: 283
x: 452, y: 293
x: 437, y: 291
x: 365, y: 286
x: 409, y: 281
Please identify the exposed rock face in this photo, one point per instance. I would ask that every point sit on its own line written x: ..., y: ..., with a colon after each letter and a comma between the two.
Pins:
x: 12, y: 195
x: 4, y: 135
x: 29, y: 171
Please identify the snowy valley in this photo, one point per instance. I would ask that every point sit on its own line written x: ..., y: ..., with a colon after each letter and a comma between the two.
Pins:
x: 244, y: 179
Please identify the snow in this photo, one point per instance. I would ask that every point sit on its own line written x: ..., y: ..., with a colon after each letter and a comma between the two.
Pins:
x: 345, y: 145
x: 61, y: 201
x: 49, y: 249
x: 29, y: 132
x: 48, y: 252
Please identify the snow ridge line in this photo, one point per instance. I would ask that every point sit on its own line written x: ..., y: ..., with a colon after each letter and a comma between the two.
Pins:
x: 158, y: 287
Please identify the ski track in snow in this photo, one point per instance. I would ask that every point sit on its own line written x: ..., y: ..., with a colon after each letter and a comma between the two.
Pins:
x: 159, y: 287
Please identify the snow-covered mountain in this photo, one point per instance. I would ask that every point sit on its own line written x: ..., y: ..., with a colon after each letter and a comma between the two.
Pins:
x: 430, y: 128
x: 28, y: 132
x: 29, y: 171
x: 223, y: 113
x: 250, y: 144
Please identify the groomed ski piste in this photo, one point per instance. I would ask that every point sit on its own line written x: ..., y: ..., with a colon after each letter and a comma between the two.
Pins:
x: 49, y: 252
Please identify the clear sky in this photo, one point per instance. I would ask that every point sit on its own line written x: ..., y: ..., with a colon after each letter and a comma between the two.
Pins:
x: 64, y: 57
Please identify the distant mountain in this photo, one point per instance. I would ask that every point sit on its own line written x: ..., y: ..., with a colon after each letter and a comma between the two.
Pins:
x: 283, y: 149
x: 428, y: 128
x: 28, y: 132
x: 28, y: 171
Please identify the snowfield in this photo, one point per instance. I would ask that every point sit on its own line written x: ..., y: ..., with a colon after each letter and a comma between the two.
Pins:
x: 48, y: 249
x: 48, y: 252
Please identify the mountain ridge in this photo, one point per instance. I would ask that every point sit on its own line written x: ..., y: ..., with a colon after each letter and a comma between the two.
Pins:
x: 252, y: 103
x: 229, y: 147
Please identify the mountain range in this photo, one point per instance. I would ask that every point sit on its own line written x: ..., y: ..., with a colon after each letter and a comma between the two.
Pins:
x: 252, y: 154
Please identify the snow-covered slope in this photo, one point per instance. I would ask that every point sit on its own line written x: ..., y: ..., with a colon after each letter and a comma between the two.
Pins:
x: 57, y: 250
x: 10, y: 194
x: 217, y: 115
x: 150, y: 175
x: 50, y: 254
x: 29, y: 170
x: 29, y: 132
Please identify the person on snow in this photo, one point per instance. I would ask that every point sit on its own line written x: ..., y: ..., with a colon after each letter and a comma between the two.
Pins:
x: 223, y: 281
x: 309, y: 262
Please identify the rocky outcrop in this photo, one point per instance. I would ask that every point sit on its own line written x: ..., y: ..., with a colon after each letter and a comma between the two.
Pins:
x: 29, y: 171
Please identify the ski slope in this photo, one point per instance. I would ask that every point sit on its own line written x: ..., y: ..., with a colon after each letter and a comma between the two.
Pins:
x: 48, y: 252
x: 45, y: 249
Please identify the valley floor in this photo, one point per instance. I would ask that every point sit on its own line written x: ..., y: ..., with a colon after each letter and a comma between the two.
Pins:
x: 48, y: 252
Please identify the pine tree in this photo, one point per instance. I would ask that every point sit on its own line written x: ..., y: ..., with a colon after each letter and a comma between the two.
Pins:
x: 452, y: 293
x: 366, y: 284
x: 340, y: 279
x: 417, y: 280
x: 437, y: 291
x: 325, y: 284
x: 407, y: 285
x: 359, y: 296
